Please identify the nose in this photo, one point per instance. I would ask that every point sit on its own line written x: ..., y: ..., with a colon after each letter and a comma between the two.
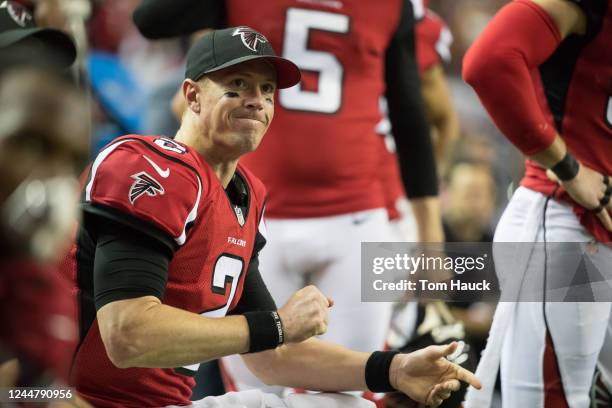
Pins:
x: 254, y: 99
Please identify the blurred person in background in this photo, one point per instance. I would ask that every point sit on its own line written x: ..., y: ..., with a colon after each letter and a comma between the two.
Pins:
x: 433, y: 45
x: 43, y: 141
x: 319, y: 161
x: 407, y: 331
x: 542, y: 72
x: 130, y: 77
x: 468, y: 210
x: 469, y: 202
x: 43, y: 144
x: 432, y: 41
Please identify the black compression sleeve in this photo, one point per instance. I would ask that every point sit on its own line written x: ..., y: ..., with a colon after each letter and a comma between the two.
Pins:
x: 255, y: 294
x: 128, y: 264
x: 407, y: 113
x: 171, y: 18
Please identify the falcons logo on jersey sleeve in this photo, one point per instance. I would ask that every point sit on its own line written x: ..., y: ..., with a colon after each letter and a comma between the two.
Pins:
x: 144, y: 184
x: 249, y: 37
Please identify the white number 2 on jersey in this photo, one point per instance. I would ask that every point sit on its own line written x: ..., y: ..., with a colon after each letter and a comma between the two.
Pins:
x: 328, y: 96
x: 227, y: 269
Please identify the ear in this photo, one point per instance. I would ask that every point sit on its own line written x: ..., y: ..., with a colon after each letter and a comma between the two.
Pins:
x: 191, y: 94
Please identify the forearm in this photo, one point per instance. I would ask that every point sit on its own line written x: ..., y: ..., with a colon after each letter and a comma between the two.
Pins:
x: 551, y: 155
x: 440, y: 110
x: 162, y: 336
x: 446, y: 132
x: 428, y: 219
x: 313, y: 364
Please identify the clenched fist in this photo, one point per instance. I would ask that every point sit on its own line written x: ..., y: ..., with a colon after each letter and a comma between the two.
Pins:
x: 305, y: 314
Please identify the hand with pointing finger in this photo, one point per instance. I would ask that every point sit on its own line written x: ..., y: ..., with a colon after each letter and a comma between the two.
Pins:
x: 427, y: 376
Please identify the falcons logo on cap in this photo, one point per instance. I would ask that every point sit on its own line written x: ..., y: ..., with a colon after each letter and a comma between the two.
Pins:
x: 17, y: 12
x: 144, y: 184
x: 250, y: 38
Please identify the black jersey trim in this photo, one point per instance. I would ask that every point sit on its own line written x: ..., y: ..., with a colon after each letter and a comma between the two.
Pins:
x: 238, y: 193
x: 557, y: 71
x: 556, y: 74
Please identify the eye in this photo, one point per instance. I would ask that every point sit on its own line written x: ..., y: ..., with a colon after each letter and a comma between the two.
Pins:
x: 267, y: 88
x: 239, y: 83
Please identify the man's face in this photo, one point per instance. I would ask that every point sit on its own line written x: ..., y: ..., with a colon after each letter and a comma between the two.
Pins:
x: 472, y: 193
x: 237, y: 105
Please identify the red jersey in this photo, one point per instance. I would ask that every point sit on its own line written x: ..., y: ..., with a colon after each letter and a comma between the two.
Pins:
x: 318, y: 157
x: 575, y: 87
x: 169, y: 189
x: 433, y: 41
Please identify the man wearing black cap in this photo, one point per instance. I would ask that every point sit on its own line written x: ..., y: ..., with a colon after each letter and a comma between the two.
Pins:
x: 320, y: 160
x: 24, y: 42
x: 166, y: 259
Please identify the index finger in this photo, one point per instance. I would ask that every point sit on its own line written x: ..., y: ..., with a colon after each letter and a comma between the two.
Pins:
x: 467, y: 376
x: 604, y: 217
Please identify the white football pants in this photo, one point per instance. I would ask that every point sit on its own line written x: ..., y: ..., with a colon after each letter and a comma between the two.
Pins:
x: 518, y: 333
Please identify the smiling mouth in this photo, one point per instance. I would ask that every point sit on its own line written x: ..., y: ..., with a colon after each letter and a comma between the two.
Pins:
x: 250, y: 119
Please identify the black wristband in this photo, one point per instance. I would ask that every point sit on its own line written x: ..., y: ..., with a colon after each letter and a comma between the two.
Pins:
x: 265, y: 330
x: 377, y: 371
x: 567, y: 168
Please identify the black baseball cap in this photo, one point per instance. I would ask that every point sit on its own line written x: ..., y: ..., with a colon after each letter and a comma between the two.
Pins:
x: 17, y: 26
x: 223, y: 48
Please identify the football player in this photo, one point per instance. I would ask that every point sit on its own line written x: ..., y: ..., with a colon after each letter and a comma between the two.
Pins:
x: 165, y: 264
x: 320, y: 159
x: 543, y: 71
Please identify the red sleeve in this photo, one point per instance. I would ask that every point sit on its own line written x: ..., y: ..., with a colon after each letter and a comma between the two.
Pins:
x: 133, y: 178
x: 502, y: 65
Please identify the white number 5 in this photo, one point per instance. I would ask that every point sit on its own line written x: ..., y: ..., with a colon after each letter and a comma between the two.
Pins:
x: 328, y: 96
x: 609, y: 112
